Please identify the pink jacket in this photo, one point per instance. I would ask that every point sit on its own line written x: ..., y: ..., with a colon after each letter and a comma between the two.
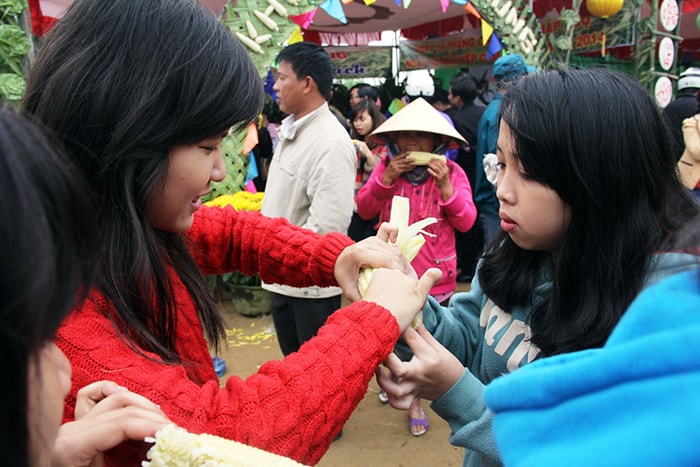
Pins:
x: 458, y: 213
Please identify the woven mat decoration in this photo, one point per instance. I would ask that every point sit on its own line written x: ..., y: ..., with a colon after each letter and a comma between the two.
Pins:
x: 257, y: 30
x: 236, y: 167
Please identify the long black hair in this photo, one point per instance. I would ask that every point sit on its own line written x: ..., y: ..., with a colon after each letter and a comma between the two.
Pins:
x: 597, y: 138
x: 122, y: 82
x: 49, y: 243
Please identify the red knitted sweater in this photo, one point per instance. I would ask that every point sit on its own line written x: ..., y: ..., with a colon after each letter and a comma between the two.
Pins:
x: 292, y: 407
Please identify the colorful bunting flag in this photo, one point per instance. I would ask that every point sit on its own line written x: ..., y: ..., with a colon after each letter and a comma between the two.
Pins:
x: 406, y: 3
x: 460, y: 2
x: 369, y: 2
x: 334, y: 9
x: 396, y: 105
x: 471, y: 9
x: 251, y: 138
x: 269, y: 85
x: 445, y: 4
x: 296, y: 36
x: 494, y: 47
x: 398, y: 2
x: 486, y: 31
x: 304, y: 20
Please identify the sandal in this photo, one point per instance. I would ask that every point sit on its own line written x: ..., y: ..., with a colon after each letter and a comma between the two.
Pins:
x: 419, y: 422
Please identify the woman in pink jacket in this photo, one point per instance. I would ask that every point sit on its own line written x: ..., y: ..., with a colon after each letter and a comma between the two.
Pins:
x: 439, y: 189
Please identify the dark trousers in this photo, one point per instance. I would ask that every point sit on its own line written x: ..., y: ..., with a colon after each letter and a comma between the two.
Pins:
x: 470, y: 245
x: 360, y: 229
x: 298, y: 319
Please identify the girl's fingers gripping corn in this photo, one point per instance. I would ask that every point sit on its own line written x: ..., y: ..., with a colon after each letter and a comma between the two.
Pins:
x: 409, y: 240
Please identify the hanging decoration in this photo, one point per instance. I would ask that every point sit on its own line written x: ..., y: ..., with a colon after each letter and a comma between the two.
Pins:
x: 494, y: 47
x: 304, y: 20
x: 471, y: 10
x: 334, y: 9
x: 486, y: 31
x: 603, y: 9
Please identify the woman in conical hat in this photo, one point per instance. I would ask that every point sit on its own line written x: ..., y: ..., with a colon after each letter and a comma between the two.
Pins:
x: 435, y: 186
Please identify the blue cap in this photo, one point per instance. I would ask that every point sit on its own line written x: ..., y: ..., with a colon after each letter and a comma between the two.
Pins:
x: 509, y: 67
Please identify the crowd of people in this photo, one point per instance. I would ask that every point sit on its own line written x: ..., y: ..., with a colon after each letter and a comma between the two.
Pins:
x: 106, y: 320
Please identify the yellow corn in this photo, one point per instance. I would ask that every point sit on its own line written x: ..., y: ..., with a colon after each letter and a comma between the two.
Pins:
x: 176, y: 447
x: 409, y: 240
x: 423, y: 158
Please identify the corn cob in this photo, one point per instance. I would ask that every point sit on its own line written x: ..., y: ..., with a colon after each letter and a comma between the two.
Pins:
x: 423, y: 158
x: 176, y: 447
x: 409, y: 240
x: 266, y: 20
x: 252, y: 32
x: 250, y: 43
x: 281, y: 10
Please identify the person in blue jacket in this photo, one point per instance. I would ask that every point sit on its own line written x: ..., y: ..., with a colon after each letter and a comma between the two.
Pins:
x: 589, y: 204
x: 633, y: 402
x: 507, y: 70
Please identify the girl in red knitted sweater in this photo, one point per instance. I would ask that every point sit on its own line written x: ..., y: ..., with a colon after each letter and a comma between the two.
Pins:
x: 142, y: 94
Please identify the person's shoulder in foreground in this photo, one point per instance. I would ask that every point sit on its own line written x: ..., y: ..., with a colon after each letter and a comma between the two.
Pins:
x: 633, y: 402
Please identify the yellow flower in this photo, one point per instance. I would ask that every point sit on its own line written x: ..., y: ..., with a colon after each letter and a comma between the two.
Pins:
x: 241, y: 201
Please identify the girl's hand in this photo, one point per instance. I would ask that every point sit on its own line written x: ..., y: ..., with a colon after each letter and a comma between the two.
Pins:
x: 428, y: 375
x: 397, y: 165
x: 375, y: 252
x: 106, y: 414
x: 401, y: 294
x: 437, y: 168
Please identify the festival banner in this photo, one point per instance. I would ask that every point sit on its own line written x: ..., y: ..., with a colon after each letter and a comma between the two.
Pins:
x: 360, y: 62
x: 588, y: 32
x: 453, y: 51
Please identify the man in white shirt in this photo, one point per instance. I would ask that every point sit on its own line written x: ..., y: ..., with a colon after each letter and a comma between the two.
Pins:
x: 310, y: 181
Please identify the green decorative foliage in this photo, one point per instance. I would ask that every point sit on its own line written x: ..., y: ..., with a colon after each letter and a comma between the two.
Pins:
x: 499, y: 14
x: 238, y: 12
x: 14, y: 46
x: 236, y: 167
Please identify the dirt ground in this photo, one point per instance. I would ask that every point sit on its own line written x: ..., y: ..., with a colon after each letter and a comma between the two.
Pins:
x: 375, y: 435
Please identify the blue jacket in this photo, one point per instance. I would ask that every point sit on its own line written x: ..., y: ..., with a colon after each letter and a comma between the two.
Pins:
x: 484, y: 192
x: 636, y: 401
x: 492, y: 342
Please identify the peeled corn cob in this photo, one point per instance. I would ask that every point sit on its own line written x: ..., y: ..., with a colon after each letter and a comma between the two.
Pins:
x: 176, y: 447
x: 263, y: 38
x: 423, y: 158
x: 281, y: 10
x: 250, y: 43
x: 409, y: 240
x: 252, y: 32
x: 266, y: 20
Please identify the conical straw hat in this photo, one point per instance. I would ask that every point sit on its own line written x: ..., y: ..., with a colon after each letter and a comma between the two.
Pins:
x: 419, y: 115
